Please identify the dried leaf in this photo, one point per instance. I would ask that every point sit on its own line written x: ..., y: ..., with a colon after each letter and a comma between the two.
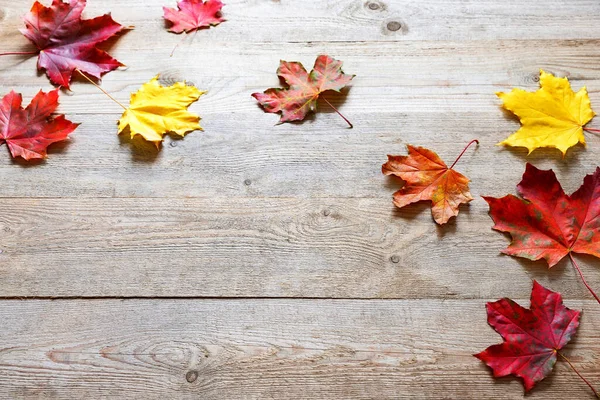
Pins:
x: 68, y: 43
x: 303, y: 89
x: 191, y: 15
x: 427, y: 177
x: 532, y: 337
x: 28, y: 132
x: 547, y: 223
x: 156, y: 110
x: 553, y: 116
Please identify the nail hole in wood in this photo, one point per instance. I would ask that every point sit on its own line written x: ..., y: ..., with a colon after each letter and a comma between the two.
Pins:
x: 395, y: 259
x: 247, y: 182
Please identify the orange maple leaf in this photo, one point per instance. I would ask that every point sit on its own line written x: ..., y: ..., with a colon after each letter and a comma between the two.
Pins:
x: 427, y: 177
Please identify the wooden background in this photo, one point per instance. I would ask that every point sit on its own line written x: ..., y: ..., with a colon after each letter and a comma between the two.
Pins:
x: 253, y: 261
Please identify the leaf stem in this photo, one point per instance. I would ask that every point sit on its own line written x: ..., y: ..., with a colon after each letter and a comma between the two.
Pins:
x: 339, y: 113
x: 102, y: 90
x: 592, y: 130
x: 183, y: 40
x: 582, y: 278
x: 463, y: 152
x: 577, y: 372
x: 18, y: 53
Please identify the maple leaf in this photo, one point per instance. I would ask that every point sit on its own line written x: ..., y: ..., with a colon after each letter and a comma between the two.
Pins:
x: 427, y: 177
x: 303, y: 89
x: 532, y: 337
x: 156, y: 110
x: 547, y: 223
x: 553, y: 116
x: 28, y: 132
x: 67, y: 43
x: 191, y: 15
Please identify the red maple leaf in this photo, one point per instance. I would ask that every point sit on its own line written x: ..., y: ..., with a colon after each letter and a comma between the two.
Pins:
x: 548, y: 223
x: 67, y: 43
x: 28, y: 132
x: 304, y: 89
x: 194, y: 14
x: 532, y: 337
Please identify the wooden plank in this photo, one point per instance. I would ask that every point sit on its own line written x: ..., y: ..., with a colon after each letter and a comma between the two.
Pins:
x: 356, y: 20
x: 279, y: 247
x: 412, y: 76
x: 263, y: 349
x: 234, y: 158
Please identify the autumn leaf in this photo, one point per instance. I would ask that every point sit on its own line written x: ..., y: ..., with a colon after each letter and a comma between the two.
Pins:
x: 67, y: 43
x: 156, y: 110
x: 553, y: 116
x: 547, y: 223
x: 191, y: 15
x: 28, y: 132
x: 300, y: 97
x: 427, y: 177
x: 532, y: 337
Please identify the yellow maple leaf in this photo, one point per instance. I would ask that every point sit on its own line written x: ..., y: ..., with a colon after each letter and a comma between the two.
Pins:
x: 156, y: 110
x: 553, y: 116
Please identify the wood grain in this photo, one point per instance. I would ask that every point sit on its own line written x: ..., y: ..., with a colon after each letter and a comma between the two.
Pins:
x: 267, y: 349
x: 262, y: 247
x: 357, y: 20
x: 268, y: 262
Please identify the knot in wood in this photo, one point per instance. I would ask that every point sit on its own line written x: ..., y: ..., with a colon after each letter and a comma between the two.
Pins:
x: 373, y: 6
x: 394, y: 26
x: 191, y: 376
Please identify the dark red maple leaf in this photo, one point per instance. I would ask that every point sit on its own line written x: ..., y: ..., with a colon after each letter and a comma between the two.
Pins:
x: 548, y: 223
x: 193, y: 14
x: 532, y: 337
x: 67, y: 43
x: 28, y: 132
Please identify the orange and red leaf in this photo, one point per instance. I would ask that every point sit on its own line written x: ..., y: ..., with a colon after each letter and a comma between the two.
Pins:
x: 304, y: 89
x: 428, y: 178
x: 547, y: 223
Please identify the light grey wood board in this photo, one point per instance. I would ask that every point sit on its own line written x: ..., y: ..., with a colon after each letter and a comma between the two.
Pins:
x: 263, y: 349
x: 285, y: 161
x: 284, y: 247
x: 354, y: 20
x: 411, y: 76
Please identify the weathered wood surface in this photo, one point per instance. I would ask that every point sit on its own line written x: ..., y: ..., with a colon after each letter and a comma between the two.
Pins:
x: 267, y: 349
x: 278, y: 247
x: 251, y: 210
x: 359, y: 20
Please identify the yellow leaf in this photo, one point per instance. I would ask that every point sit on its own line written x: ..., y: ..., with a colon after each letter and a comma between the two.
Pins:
x: 156, y: 110
x: 553, y: 116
